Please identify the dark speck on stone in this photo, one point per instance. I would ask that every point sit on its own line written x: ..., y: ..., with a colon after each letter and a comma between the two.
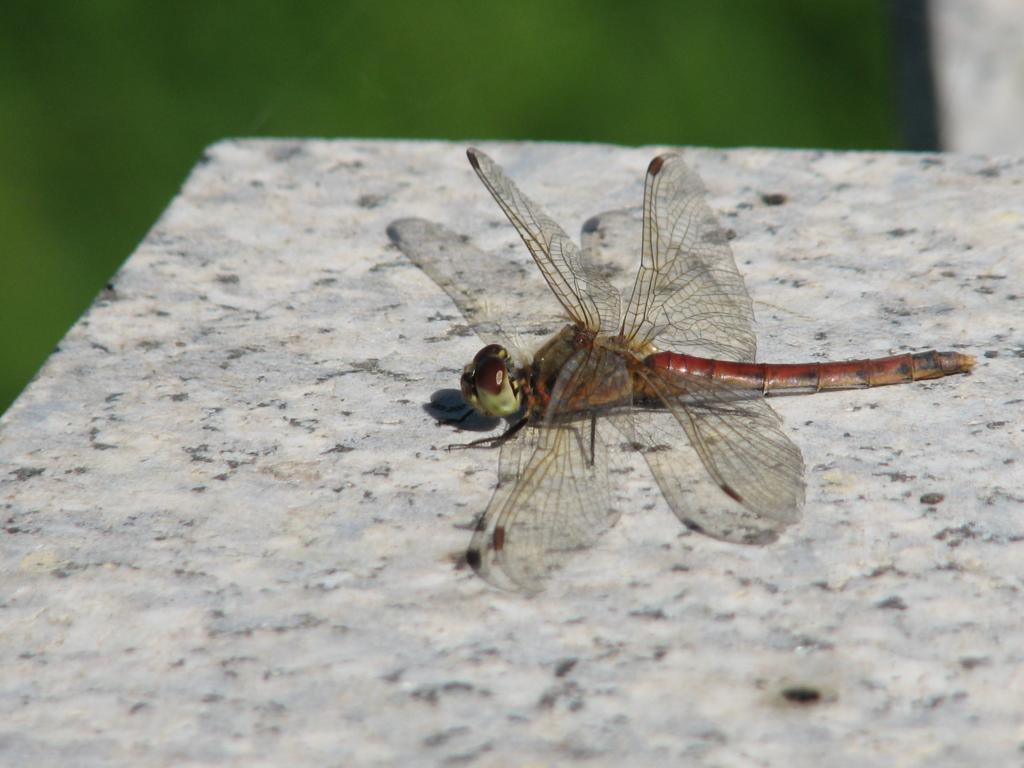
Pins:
x: 564, y: 667
x: 973, y: 662
x: 285, y: 152
x: 339, y: 448
x: 773, y: 198
x: 892, y: 604
x: 370, y: 201
x: 24, y: 473
x: 802, y: 694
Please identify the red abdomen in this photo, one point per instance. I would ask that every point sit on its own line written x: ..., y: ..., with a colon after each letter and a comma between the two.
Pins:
x: 793, y: 378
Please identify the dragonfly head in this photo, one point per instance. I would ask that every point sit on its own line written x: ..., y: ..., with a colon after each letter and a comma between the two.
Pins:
x: 487, y: 384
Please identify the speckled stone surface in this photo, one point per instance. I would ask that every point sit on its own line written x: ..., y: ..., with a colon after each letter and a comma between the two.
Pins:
x: 231, y: 532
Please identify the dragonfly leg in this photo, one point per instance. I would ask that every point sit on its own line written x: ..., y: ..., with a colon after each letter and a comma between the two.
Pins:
x: 456, y: 420
x: 492, y: 442
x: 593, y: 435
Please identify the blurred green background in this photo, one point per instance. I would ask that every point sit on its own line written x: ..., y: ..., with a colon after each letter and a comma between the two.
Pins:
x: 106, y: 105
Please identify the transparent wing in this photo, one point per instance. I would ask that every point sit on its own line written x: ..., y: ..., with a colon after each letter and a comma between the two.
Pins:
x: 739, y: 438
x: 497, y: 297
x: 553, y: 495
x: 608, y: 241
x: 688, y: 295
x: 585, y: 294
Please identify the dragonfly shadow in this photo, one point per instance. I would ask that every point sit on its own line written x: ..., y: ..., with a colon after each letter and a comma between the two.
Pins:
x: 448, y: 407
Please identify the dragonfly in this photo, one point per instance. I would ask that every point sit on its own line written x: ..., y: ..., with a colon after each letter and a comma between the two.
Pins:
x: 669, y: 371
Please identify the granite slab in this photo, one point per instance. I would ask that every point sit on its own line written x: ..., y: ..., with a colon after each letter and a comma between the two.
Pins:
x: 233, y: 535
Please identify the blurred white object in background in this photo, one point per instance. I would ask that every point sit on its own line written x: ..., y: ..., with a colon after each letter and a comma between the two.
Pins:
x: 978, y: 60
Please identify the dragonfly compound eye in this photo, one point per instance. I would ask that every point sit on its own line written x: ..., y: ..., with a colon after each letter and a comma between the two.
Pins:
x: 491, y: 350
x: 487, y: 384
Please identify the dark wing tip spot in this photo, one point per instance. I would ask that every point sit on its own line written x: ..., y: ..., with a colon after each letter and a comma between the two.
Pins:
x: 473, y: 558
x: 656, y: 165
x: 473, y: 159
x: 731, y: 493
x: 499, y: 538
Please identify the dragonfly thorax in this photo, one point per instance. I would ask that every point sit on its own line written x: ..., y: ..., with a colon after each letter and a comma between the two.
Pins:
x: 488, y: 386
